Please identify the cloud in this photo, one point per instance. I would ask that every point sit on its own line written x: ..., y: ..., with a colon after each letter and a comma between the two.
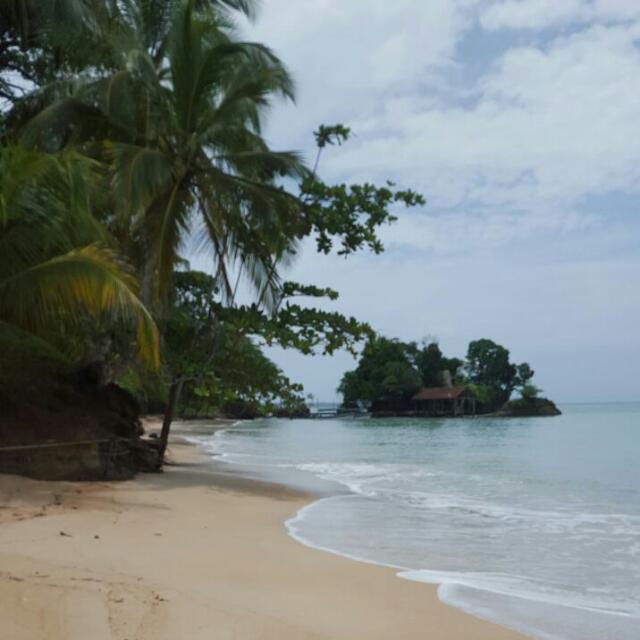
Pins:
x: 460, y: 233
x: 350, y: 56
x: 547, y: 126
x: 519, y: 122
x: 533, y: 14
x: 545, y: 14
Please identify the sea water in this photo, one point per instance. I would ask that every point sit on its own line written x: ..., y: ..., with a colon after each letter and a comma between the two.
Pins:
x: 529, y: 522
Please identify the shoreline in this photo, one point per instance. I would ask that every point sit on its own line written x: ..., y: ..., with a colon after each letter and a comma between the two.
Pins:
x: 196, y: 552
x: 338, y: 489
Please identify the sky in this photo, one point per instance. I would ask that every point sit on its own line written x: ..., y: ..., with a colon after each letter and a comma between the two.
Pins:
x: 519, y: 120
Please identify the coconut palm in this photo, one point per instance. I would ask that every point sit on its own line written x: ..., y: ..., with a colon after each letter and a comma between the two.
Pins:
x: 179, y: 120
x: 177, y: 116
x: 55, y: 265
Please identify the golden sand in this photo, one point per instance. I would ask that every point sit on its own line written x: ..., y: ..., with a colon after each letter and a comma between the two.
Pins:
x: 193, y: 553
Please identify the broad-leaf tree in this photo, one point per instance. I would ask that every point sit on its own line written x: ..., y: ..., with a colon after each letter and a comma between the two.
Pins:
x: 217, y: 356
x: 385, y: 375
x: 488, y: 366
x: 432, y: 365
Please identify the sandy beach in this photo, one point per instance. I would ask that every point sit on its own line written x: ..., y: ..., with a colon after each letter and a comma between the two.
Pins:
x: 196, y: 552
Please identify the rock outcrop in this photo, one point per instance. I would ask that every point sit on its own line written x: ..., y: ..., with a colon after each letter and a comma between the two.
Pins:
x: 64, y: 423
x: 529, y: 407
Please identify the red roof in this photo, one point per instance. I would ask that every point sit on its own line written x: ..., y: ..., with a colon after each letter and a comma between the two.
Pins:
x: 439, y: 393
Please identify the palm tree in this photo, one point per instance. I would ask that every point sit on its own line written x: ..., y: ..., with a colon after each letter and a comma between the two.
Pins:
x: 55, y: 265
x: 178, y: 118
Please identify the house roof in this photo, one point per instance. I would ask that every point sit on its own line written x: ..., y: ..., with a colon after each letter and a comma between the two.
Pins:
x: 439, y: 393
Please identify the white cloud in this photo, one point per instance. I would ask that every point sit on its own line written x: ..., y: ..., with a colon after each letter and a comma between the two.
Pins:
x: 549, y: 127
x: 533, y: 14
x: 461, y: 233
x: 543, y: 128
x: 350, y: 56
x: 520, y: 155
x: 616, y: 10
x: 545, y: 14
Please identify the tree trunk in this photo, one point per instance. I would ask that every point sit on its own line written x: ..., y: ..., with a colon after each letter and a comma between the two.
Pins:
x: 174, y: 397
x: 147, y: 278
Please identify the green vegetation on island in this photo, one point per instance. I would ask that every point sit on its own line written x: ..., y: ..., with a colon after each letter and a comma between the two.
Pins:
x: 398, y: 378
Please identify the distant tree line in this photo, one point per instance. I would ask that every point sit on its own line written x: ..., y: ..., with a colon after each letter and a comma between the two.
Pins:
x: 390, y: 372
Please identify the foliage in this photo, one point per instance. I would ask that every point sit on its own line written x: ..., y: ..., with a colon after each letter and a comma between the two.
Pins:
x: 390, y: 370
x: 331, y: 135
x: 432, y: 364
x: 42, y: 41
x: 49, y: 277
x: 384, y: 373
x: 524, y: 373
x: 488, y: 365
x: 529, y: 391
x: 28, y: 51
x: 29, y: 366
x: 241, y: 375
x: 178, y: 113
x: 164, y: 105
x: 217, y: 359
x: 350, y: 212
x: 487, y: 396
x: 205, y: 339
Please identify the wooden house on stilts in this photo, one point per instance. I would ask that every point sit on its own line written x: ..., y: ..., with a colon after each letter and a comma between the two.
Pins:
x: 444, y: 401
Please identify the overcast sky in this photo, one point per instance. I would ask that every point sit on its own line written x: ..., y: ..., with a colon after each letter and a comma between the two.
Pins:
x: 520, y: 122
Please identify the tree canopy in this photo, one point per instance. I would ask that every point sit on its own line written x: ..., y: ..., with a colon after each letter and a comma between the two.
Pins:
x: 488, y: 366
x: 390, y: 371
x: 385, y: 373
x: 151, y: 112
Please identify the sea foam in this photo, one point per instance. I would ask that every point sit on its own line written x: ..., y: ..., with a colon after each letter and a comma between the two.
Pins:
x: 511, y: 524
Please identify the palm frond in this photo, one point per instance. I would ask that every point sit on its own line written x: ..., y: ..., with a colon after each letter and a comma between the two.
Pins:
x: 89, y: 280
x: 181, y: 110
x: 139, y: 173
x: 248, y: 7
x: 45, y: 206
x: 62, y: 123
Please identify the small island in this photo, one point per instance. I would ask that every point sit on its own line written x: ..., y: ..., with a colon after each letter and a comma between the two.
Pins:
x: 410, y: 380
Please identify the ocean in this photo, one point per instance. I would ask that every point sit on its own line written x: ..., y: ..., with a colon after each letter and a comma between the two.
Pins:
x: 533, y: 523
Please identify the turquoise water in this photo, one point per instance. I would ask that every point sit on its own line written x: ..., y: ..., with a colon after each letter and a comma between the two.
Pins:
x: 534, y: 523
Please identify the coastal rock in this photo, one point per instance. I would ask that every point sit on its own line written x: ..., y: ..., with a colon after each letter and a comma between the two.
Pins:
x: 65, y: 424
x: 529, y: 407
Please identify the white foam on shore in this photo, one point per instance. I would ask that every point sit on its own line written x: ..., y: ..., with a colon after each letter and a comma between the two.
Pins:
x: 501, y: 599
x: 493, y: 598
x: 209, y: 444
x: 293, y: 529
x: 534, y: 617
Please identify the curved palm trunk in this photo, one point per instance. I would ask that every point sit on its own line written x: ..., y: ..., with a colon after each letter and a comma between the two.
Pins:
x: 147, y: 276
